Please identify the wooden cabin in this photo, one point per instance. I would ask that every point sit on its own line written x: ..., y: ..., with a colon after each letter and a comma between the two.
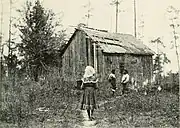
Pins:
x: 106, y: 51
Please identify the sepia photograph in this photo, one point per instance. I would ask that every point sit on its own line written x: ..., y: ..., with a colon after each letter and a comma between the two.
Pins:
x: 89, y: 63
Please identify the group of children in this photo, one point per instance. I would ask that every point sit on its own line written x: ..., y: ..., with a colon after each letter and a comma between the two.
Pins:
x: 124, y: 81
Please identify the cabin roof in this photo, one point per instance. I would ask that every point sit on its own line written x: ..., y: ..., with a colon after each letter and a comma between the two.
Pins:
x: 115, y: 42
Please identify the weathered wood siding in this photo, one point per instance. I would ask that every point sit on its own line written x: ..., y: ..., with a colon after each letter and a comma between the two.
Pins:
x: 107, y: 62
x: 80, y: 53
x: 139, y: 67
x: 74, y: 58
x: 77, y: 56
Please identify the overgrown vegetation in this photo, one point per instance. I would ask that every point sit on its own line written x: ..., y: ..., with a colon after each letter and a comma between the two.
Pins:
x: 35, y: 94
x: 28, y: 103
x: 34, y: 89
x: 174, y: 15
x: 138, y: 110
x: 41, y: 42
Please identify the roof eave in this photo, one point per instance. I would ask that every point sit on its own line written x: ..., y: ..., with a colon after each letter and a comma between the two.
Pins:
x: 141, y: 54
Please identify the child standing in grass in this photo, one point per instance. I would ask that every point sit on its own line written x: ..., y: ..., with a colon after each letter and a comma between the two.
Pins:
x: 112, y: 80
x: 124, y: 81
x: 88, y: 101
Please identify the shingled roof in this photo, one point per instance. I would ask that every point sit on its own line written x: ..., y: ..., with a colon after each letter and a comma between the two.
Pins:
x: 115, y: 42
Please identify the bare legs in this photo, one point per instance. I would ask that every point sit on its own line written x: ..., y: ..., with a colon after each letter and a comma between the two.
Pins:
x: 90, y: 114
x: 124, y: 88
x: 113, y: 91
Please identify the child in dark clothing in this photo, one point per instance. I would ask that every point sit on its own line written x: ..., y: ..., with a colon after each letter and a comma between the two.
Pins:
x: 112, y: 80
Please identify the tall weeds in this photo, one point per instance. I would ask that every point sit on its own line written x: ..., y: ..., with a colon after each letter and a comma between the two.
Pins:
x: 23, y: 98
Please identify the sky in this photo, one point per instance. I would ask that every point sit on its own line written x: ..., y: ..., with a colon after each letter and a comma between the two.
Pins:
x: 153, y: 14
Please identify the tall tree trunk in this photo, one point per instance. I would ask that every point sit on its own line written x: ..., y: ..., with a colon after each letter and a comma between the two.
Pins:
x: 117, y: 10
x: 135, y: 29
x: 177, y: 55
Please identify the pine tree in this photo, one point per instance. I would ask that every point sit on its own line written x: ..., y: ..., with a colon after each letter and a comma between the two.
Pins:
x: 40, y: 41
x: 159, y: 61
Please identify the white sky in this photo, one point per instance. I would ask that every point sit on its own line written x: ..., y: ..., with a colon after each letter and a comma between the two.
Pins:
x: 152, y: 12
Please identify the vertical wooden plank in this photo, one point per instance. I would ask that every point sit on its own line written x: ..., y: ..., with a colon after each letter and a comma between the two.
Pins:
x: 82, y: 53
x: 65, y: 59
x: 121, y: 62
x: 100, y: 64
x: 89, y: 51
x: 78, y: 55
x: 81, y: 46
x: 92, y: 53
x: 73, y: 58
x: 87, y: 56
x: 66, y: 64
x: 144, y: 74
x: 117, y: 69
x: 63, y: 62
x: 112, y: 62
x: 103, y: 66
x: 108, y: 63
x: 151, y: 69
x: 140, y: 64
x: 95, y: 56
x: 69, y: 63
x: 115, y: 62
x: 148, y: 70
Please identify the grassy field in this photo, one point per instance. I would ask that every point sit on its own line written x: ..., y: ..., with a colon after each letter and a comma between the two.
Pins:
x: 137, y: 110
x: 57, y: 106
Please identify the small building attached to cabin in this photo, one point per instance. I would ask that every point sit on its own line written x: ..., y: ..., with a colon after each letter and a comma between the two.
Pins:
x: 106, y: 51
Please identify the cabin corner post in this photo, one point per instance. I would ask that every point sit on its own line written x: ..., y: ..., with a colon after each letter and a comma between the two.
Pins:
x: 95, y: 56
x: 88, y: 43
